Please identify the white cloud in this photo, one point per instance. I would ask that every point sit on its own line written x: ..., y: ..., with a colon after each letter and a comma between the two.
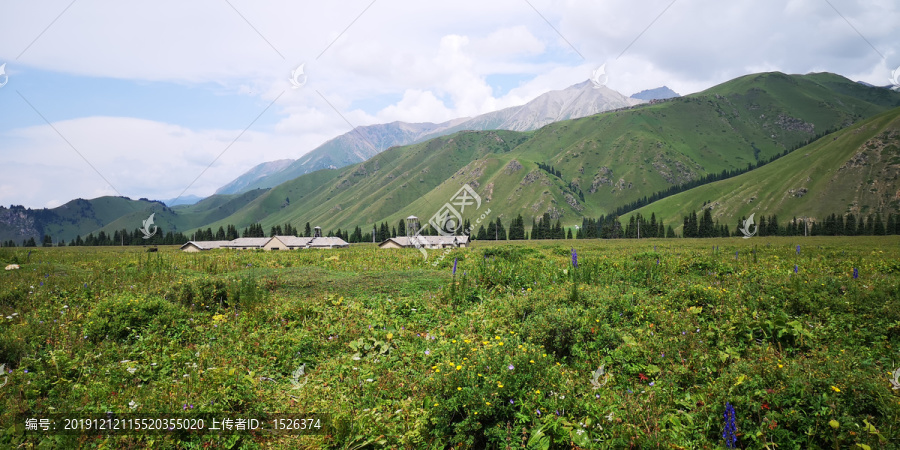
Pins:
x: 403, y: 60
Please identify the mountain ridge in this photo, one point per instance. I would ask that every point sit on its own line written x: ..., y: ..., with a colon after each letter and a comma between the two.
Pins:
x: 360, y: 144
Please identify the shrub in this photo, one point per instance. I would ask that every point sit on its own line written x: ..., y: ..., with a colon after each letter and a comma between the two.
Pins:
x: 120, y: 317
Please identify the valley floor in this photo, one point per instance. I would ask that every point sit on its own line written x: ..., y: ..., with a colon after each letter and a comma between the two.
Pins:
x: 644, y: 344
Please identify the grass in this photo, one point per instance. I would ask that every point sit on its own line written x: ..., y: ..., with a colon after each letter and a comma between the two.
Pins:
x: 501, y: 354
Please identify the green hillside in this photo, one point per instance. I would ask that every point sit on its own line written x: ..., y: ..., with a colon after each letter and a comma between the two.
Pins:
x: 852, y: 171
x: 81, y: 217
x: 569, y: 169
x: 609, y: 159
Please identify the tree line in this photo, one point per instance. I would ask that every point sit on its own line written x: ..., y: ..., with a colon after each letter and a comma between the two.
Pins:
x: 603, y: 227
x: 712, y: 177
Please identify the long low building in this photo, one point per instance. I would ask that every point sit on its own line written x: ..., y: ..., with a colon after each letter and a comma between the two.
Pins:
x: 199, y: 246
x: 429, y: 242
x: 268, y: 243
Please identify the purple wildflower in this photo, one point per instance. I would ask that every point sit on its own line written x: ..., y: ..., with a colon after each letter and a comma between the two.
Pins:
x: 574, y: 258
x: 730, y: 426
x: 796, y: 269
x: 511, y: 367
x: 855, y: 273
x: 454, y: 266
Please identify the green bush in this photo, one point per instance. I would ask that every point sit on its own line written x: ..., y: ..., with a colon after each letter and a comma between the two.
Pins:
x: 477, y: 384
x: 211, y: 292
x: 118, y: 318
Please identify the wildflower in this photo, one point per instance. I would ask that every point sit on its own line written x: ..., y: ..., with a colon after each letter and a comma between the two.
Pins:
x: 795, y: 268
x: 511, y: 402
x: 855, y: 273
x: 798, y: 249
x: 511, y: 367
x: 643, y: 377
x: 538, y: 411
x: 454, y: 266
x: 835, y: 389
x: 730, y: 426
x: 427, y: 352
x: 652, y: 383
x: 574, y: 258
x: 132, y: 404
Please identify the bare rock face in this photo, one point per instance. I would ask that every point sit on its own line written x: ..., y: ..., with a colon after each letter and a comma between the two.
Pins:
x: 673, y: 171
x: 513, y: 167
x: 789, y: 123
x: 18, y: 219
x: 798, y: 192
x: 573, y: 202
x: 602, y: 178
x: 530, y: 178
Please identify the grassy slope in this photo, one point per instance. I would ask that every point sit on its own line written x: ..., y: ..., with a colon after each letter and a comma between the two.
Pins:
x: 614, y: 158
x: 854, y: 170
x: 85, y: 216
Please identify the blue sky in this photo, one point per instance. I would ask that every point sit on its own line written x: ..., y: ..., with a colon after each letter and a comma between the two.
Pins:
x: 143, y: 98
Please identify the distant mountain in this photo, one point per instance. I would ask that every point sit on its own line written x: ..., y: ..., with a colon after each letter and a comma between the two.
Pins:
x: 249, y: 177
x: 349, y: 148
x: 185, y: 200
x: 80, y: 217
x: 580, y: 100
x: 583, y: 167
x: 576, y: 168
x: 660, y: 93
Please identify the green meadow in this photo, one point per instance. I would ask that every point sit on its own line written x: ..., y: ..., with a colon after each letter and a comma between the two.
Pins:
x: 642, y: 345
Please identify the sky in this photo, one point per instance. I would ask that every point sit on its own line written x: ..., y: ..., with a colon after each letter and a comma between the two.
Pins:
x: 169, y: 98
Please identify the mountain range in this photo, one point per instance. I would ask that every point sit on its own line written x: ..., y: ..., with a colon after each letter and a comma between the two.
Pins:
x: 362, y: 143
x: 839, y: 138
